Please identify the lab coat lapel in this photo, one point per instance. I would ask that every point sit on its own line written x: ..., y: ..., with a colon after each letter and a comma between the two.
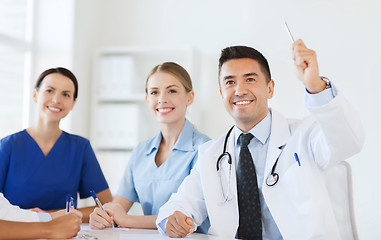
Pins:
x: 279, y: 136
x: 223, y: 215
x: 224, y: 177
x: 233, y: 188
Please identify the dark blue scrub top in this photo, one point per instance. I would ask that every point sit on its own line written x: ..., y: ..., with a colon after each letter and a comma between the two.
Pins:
x: 30, y: 179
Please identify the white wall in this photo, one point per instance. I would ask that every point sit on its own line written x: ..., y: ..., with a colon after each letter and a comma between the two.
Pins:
x: 345, y: 34
x: 52, y: 45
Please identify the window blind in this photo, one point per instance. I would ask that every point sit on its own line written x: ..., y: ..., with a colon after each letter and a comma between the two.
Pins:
x: 13, y: 49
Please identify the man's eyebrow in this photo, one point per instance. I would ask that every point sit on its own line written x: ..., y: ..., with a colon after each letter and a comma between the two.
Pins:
x: 250, y: 74
x: 228, y: 77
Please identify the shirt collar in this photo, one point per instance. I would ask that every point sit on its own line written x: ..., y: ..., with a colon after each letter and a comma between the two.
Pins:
x: 261, y: 131
x: 184, y: 141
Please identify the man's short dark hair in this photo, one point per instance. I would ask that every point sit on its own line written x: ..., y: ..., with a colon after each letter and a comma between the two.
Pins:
x: 237, y: 52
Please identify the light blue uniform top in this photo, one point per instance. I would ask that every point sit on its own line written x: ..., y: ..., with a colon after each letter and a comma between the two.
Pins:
x: 152, y: 186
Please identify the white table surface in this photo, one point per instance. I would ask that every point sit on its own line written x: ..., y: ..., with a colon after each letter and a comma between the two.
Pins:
x: 131, y: 234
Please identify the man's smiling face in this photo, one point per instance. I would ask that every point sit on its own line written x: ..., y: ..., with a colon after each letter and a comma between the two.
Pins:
x: 245, y: 91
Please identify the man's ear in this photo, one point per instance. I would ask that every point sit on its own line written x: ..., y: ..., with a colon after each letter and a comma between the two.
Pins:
x: 271, y: 86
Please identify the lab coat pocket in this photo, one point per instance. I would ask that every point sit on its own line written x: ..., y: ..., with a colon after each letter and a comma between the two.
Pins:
x: 304, y: 202
x: 302, y: 183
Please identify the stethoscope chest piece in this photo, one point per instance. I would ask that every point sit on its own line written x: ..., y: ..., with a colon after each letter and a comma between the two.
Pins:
x: 272, y: 179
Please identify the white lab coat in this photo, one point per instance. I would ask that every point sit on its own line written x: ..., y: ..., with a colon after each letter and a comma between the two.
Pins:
x: 305, y: 203
x: 10, y: 212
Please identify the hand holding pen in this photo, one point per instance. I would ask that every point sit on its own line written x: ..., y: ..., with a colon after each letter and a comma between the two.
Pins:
x: 96, y: 224
x: 307, y: 69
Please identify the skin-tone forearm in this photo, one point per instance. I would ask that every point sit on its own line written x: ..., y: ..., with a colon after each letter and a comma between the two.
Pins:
x: 105, y: 196
x: 63, y: 227
x: 86, y: 211
x: 116, y: 212
x: 131, y: 221
x: 11, y: 230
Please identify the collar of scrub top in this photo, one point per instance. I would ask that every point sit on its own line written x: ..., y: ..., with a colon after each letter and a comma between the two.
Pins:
x: 184, y: 141
x: 261, y: 131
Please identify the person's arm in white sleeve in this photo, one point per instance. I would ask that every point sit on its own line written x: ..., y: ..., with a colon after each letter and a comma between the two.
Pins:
x: 339, y: 133
x: 189, y: 201
x: 44, y: 217
x: 14, y: 213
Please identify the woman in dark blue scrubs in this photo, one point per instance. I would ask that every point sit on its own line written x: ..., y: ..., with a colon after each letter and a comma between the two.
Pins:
x: 42, y: 164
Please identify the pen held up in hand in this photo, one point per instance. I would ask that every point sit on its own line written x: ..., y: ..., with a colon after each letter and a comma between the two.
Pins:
x: 289, y: 32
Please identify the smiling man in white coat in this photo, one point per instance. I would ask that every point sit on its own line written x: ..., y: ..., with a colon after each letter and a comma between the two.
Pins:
x: 270, y: 177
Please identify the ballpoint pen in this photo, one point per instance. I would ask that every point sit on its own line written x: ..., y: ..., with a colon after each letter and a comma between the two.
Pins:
x: 98, y: 203
x: 69, y: 203
x: 297, y: 158
x: 289, y: 32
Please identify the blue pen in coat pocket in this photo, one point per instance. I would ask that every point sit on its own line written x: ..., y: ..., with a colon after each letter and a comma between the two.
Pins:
x: 297, y: 158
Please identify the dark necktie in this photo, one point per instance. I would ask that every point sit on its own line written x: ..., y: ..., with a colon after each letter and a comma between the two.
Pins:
x: 250, y: 219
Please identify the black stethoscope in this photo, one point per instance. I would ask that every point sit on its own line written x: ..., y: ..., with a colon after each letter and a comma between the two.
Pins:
x: 271, y: 180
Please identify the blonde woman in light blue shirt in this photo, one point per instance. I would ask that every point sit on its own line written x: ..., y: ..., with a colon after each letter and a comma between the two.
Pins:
x: 159, y: 165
